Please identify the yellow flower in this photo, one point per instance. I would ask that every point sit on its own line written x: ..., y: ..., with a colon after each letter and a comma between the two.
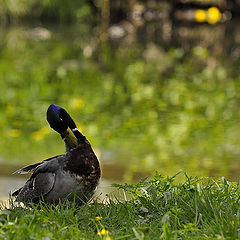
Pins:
x: 103, y: 232
x: 14, y: 133
x: 214, y: 15
x: 38, y: 135
x: 98, y: 218
x: 108, y: 238
x: 77, y: 103
x: 200, y: 15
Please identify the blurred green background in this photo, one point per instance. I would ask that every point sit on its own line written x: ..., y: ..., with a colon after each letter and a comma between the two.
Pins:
x: 150, y: 92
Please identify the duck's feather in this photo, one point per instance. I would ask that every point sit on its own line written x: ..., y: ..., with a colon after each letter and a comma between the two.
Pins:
x: 15, y: 193
x: 32, y: 167
x: 42, y: 180
x: 27, y: 169
x: 37, y: 187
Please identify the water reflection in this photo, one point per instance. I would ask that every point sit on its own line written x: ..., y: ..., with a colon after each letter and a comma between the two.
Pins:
x: 8, y: 184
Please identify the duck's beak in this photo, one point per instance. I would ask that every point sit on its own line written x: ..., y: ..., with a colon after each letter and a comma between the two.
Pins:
x: 70, y: 138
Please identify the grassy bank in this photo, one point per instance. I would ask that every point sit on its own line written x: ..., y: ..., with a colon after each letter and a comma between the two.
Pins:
x: 198, y: 208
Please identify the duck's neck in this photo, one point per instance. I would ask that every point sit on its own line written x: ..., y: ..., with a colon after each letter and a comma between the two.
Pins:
x: 70, y: 140
x: 73, y: 138
x: 80, y: 137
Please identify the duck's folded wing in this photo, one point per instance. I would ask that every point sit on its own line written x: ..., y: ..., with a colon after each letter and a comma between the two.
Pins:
x: 15, y: 193
x: 27, y: 169
x: 32, y: 167
x: 42, y: 180
x: 43, y: 183
x: 36, y: 187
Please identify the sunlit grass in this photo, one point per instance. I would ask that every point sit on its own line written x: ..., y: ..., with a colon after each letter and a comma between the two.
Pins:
x: 198, y: 208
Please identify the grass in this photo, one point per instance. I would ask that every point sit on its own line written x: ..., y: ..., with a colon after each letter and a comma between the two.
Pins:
x: 158, y: 208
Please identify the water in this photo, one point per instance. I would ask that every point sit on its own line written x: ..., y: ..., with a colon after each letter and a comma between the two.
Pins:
x: 165, y: 97
x: 8, y: 184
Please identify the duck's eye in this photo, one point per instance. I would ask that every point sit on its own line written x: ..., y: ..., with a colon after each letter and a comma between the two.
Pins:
x: 61, y: 120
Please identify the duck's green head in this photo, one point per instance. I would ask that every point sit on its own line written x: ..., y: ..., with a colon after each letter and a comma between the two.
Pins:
x: 61, y: 122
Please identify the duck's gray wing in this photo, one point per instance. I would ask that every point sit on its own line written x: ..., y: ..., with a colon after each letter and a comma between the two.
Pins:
x: 27, y: 169
x: 36, y: 188
x: 40, y: 183
x: 32, y: 167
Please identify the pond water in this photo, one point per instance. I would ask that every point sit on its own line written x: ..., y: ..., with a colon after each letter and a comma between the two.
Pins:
x: 162, y: 97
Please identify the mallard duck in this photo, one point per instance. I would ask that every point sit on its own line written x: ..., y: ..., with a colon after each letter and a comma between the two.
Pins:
x: 72, y: 176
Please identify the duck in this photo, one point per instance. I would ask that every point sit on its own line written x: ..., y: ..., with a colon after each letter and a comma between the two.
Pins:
x: 72, y: 176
